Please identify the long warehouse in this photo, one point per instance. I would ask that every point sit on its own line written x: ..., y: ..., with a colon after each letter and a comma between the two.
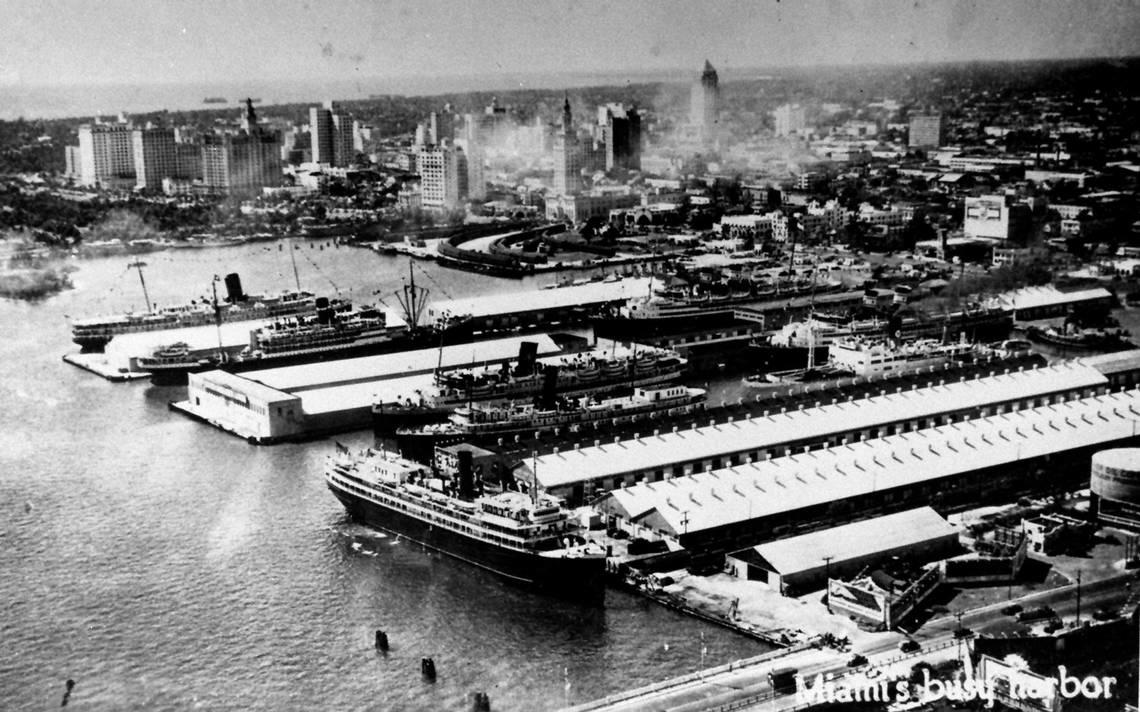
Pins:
x: 333, y: 396
x: 583, y: 472
x: 1046, y: 448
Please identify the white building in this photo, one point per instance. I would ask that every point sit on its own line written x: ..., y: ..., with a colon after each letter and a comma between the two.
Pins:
x: 789, y: 119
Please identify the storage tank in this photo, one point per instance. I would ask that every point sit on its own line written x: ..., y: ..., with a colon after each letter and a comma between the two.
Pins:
x: 1116, y: 475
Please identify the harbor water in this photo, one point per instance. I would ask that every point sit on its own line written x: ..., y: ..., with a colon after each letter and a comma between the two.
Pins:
x: 162, y: 564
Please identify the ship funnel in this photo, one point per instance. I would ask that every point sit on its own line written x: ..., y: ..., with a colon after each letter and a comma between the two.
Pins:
x: 549, y: 386
x: 233, y: 288
x: 528, y: 351
x: 324, y: 311
x: 466, y: 476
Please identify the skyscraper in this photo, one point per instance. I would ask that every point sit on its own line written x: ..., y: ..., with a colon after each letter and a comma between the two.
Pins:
x: 331, y: 132
x: 621, y: 132
x: 704, y: 102
x: 567, y: 157
x: 925, y: 131
x: 443, y: 175
x: 244, y: 163
x: 106, y: 156
x: 155, y: 157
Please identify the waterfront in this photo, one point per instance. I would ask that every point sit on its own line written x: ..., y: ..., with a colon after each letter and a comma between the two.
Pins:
x: 165, y: 565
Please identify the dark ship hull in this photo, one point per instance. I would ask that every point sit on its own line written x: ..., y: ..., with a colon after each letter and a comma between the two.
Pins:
x: 578, y: 578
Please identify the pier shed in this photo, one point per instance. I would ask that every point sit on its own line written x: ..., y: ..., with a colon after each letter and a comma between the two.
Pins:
x: 296, y: 402
x: 1046, y: 448
x: 803, y: 563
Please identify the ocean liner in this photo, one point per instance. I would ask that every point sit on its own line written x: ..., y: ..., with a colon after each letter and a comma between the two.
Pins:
x: 530, y: 540
x: 93, y: 334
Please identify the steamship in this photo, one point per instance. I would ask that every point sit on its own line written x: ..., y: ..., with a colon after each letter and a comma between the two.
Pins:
x: 93, y: 334
x: 530, y: 540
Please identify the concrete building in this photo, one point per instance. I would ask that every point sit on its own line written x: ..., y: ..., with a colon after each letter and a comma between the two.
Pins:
x: 242, y: 164
x: 296, y: 402
x: 950, y: 466
x: 589, y: 470
x: 704, y: 102
x: 926, y: 131
x: 156, y: 157
x: 581, y: 207
x: 1046, y: 301
x: 331, y: 132
x: 106, y: 156
x: 443, y: 176
x: 789, y: 119
x: 1115, y: 484
x: 567, y: 156
x: 803, y: 563
x: 993, y: 217
x: 884, y: 597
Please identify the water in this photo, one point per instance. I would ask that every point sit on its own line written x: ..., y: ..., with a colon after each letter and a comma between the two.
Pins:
x: 165, y: 565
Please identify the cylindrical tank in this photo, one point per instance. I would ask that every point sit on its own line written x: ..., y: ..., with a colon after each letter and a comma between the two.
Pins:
x: 1116, y: 475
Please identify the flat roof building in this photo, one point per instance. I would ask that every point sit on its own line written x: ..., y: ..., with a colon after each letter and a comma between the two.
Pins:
x: 947, y: 466
x: 584, y: 471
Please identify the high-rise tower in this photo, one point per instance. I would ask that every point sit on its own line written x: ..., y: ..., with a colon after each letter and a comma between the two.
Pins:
x: 704, y: 103
x: 567, y: 158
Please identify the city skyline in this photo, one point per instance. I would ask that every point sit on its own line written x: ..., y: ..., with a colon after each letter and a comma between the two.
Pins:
x: 166, y: 43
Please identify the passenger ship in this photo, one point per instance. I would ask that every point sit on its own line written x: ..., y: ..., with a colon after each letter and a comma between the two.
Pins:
x: 531, y: 540
x: 93, y: 334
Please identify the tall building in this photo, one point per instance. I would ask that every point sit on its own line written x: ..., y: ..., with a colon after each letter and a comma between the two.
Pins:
x: 925, y: 131
x: 704, y: 102
x: 440, y: 126
x: 567, y: 156
x: 106, y: 156
x: 789, y: 119
x: 156, y: 157
x: 443, y: 175
x: 244, y: 163
x: 476, y: 182
x: 620, y: 131
x: 331, y: 132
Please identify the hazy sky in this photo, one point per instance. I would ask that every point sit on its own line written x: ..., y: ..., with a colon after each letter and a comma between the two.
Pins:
x: 137, y: 41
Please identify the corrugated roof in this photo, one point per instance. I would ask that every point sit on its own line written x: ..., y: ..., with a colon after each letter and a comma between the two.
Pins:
x: 1116, y: 362
x: 849, y: 541
x: 749, y: 491
x: 666, y: 449
x: 1048, y: 295
x: 560, y: 297
x: 239, y: 384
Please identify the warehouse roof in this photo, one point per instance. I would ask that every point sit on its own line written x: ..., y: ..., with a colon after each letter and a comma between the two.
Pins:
x: 750, y: 491
x: 851, y: 541
x: 370, y: 368
x: 1048, y: 295
x: 539, y: 299
x: 1116, y: 362
x: 666, y: 449
x: 239, y: 388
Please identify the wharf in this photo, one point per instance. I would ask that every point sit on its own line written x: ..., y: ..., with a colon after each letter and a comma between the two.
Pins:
x: 100, y: 365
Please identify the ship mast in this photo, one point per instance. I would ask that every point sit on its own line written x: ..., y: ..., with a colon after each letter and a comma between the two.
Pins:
x: 412, y: 299
x: 293, y: 258
x: 218, y: 319
x: 138, y: 264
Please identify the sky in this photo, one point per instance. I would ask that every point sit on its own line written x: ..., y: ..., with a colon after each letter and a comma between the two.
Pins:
x: 69, y: 42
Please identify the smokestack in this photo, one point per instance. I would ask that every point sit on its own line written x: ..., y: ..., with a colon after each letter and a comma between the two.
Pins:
x: 549, y: 387
x: 233, y: 288
x: 324, y: 311
x: 528, y: 351
x: 466, y: 476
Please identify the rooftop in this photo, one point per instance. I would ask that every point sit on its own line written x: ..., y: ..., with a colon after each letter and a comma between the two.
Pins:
x: 665, y: 449
x: 1121, y: 458
x: 753, y: 490
x: 850, y: 541
x: 540, y: 299
x: 1048, y: 295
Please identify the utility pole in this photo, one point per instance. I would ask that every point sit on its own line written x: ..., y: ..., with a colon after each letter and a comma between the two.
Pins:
x: 827, y: 583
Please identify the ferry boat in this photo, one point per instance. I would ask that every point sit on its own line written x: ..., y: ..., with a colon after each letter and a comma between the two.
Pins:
x: 168, y: 365
x: 531, y: 540
x: 864, y: 357
x: 93, y: 334
x: 1078, y: 339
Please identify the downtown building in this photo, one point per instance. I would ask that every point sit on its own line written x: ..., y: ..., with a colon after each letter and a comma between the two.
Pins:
x: 332, y: 135
x: 789, y: 119
x: 567, y: 156
x: 106, y: 157
x: 443, y: 176
x: 156, y: 157
x: 620, y: 132
x: 926, y: 131
x: 244, y: 163
x: 704, y: 103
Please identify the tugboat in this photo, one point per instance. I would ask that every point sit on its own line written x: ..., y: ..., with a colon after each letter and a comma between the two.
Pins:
x: 529, y: 539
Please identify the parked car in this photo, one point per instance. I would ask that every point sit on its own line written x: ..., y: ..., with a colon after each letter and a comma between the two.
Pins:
x: 1036, y: 614
x: 910, y: 646
x: 857, y: 660
x: 1012, y: 609
x: 963, y: 633
x: 1103, y: 614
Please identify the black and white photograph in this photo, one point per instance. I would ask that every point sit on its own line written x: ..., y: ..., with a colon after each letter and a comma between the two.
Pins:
x: 581, y: 356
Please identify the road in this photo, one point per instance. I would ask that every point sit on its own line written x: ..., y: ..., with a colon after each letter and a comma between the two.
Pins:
x: 746, y: 687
